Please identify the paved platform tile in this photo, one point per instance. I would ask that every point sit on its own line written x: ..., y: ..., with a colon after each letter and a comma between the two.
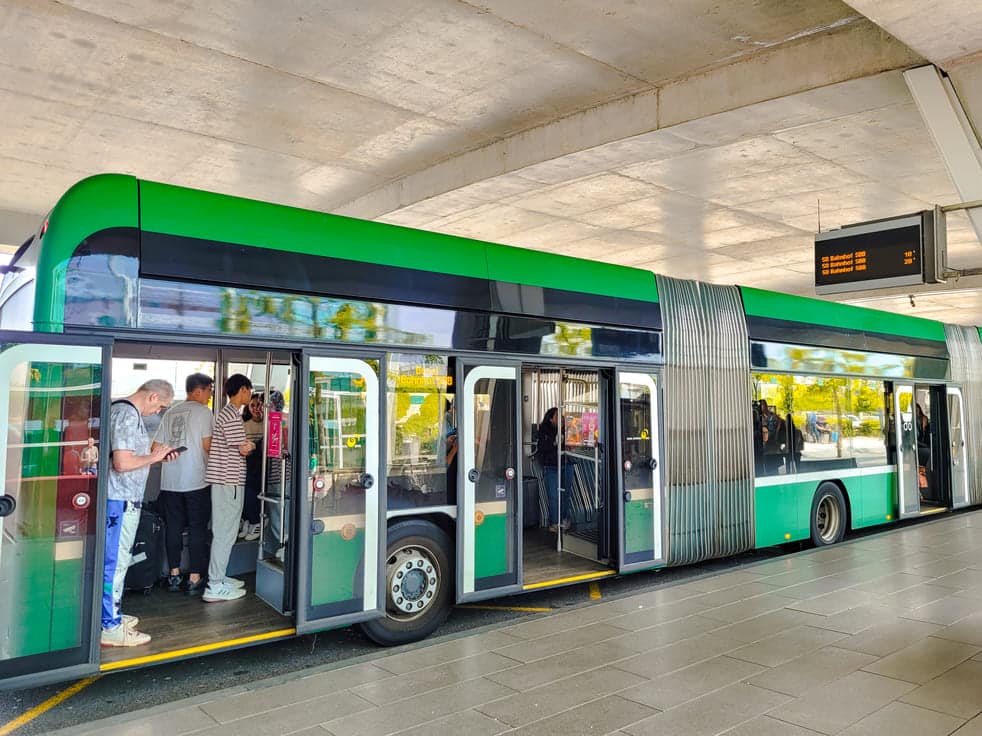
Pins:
x: 970, y: 577
x: 787, y: 645
x: 833, y: 707
x: 186, y: 720
x: 900, y: 719
x: 749, y: 608
x: 711, y: 714
x: 415, y: 711
x: 968, y: 630
x: 767, y: 625
x: 972, y: 728
x: 832, y: 603
x: 692, y: 682
x: 924, y: 660
x: 667, y: 633
x: 767, y: 726
x: 468, y: 722
x: 543, y: 671
x: 599, y: 717
x: 420, y: 656
x: 296, y: 717
x: 733, y: 594
x: 675, y: 656
x: 555, y: 697
x: 944, y: 612
x: 917, y: 596
x: 856, y: 620
x: 260, y: 700
x: 562, y: 641
x: 891, y: 635
x: 642, y: 618
x: 433, y: 678
x: 812, y: 670
x: 957, y: 692
x: 892, y: 582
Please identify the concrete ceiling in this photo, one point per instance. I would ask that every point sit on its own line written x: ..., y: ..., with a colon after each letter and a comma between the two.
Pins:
x: 691, y: 137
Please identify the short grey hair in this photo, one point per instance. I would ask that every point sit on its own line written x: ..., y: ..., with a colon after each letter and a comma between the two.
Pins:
x: 158, y: 386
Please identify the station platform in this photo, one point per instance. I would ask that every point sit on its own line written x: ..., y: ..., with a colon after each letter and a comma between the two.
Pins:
x: 881, y: 634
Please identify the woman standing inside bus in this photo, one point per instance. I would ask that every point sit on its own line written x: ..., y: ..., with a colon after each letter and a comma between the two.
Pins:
x: 252, y: 419
x: 547, y: 451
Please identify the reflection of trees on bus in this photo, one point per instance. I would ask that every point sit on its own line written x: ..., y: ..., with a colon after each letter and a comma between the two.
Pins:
x: 840, y: 419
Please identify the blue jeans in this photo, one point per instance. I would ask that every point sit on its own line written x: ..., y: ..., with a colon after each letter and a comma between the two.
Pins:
x: 122, y: 520
x: 551, y: 475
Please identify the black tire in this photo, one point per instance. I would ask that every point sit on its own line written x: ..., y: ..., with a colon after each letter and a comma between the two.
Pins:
x: 422, y: 550
x: 828, y: 518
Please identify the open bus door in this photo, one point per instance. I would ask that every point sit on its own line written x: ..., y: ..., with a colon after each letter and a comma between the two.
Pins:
x: 908, y: 488
x: 53, y: 394
x: 639, y: 517
x: 488, y: 505
x: 342, y: 514
x: 956, y: 445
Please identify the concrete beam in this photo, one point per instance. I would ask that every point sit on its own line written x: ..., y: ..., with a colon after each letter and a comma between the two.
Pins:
x: 952, y: 133
x: 852, y: 50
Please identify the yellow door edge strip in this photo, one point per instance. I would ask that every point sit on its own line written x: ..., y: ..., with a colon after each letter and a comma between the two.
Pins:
x: 522, y: 609
x: 595, y: 594
x: 573, y: 579
x: 178, y: 653
x: 37, y: 710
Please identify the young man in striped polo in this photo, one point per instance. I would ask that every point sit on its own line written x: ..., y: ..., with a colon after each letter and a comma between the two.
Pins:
x: 226, y: 472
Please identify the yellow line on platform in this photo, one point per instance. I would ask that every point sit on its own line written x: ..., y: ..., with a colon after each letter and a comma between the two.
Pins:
x: 523, y: 609
x: 575, y: 579
x: 204, y: 648
x: 595, y: 592
x: 37, y: 710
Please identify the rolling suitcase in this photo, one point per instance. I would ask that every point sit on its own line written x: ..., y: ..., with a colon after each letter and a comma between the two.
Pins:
x: 146, y: 567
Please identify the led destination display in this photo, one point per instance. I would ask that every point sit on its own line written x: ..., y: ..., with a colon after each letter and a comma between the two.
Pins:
x: 871, y: 255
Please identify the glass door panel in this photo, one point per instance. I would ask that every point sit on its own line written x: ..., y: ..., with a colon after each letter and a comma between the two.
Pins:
x: 51, y: 402
x: 339, y: 567
x: 488, y: 504
x: 956, y: 444
x: 908, y: 477
x: 640, y: 476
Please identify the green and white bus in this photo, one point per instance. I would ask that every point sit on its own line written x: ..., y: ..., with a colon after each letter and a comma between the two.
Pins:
x: 406, y: 374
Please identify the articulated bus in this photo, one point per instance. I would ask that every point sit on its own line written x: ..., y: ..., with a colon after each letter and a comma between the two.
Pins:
x: 406, y: 375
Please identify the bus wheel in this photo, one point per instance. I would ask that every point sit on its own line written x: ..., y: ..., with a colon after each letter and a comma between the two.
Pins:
x: 828, y: 515
x: 419, y: 584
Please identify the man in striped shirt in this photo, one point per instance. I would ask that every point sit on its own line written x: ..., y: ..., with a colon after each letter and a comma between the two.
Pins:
x: 226, y: 472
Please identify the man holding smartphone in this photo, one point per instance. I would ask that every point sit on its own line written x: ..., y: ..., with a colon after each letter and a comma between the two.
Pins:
x: 185, y: 496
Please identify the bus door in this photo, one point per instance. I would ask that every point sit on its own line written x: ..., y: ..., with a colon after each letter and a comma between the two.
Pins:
x: 908, y: 475
x: 488, y: 505
x: 639, y: 517
x: 269, y: 471
x: 53, y: 395
x: 342, y: 515
x: 956, y: 445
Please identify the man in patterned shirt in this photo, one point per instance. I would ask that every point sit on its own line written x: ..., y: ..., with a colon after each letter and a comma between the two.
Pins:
x: 130, y: 465
x: 227, y: 474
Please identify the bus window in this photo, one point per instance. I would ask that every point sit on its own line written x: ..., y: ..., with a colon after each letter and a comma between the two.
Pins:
x: 422, y: 433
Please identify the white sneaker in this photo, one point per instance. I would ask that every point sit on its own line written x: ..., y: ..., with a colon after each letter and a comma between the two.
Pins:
x: 122, y: 636
x: 220, y: 593
x: 233, y: 583
x: 251, y: 532
x: 130, y: 622
x: 243, y: 528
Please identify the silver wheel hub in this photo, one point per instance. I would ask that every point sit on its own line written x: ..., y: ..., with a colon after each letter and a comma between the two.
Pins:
x: 413, y: 579
x: 827, y: 519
